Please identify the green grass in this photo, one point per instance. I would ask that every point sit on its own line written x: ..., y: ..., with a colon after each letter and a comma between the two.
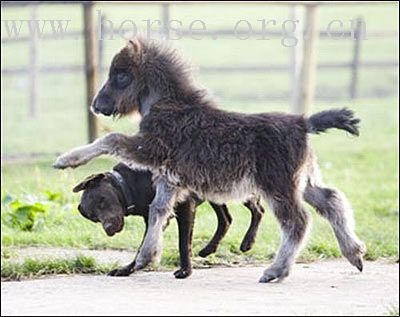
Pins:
x: 364, y: 168
x: 33, y: 268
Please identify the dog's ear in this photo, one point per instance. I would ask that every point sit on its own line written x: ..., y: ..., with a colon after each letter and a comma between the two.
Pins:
x: 83, y: 185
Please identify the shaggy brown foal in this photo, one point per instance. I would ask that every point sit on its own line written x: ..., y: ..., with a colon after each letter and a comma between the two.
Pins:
x: 191, y: 146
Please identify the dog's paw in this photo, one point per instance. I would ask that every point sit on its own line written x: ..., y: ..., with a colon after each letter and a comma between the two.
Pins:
x: 207, y: 250
x: 274, y: 273
x: 247, y: 244
x: 182, y: 273
x: 123, y: 271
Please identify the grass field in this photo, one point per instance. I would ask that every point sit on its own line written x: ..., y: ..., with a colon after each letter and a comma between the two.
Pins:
x: 364, y: 168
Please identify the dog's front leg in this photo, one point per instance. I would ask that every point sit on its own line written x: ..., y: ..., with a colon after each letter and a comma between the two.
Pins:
x: 114, y: 143
x: 161, y: 209
x: 185, y: 217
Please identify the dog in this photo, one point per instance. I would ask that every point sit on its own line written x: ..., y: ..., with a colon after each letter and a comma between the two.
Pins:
x: 109, y: 197
x: 191, y: 146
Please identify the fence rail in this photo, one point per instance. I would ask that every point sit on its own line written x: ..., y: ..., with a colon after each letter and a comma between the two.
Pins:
x: 384, y: 34
x: 209, y: 69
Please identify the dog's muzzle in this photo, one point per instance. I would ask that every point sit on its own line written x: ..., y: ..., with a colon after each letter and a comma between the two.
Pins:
x: 113, y: 227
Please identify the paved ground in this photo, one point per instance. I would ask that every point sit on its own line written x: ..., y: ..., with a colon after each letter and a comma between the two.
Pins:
x: 321, y: 288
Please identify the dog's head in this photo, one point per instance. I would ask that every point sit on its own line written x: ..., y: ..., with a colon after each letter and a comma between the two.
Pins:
x: 101, y: 202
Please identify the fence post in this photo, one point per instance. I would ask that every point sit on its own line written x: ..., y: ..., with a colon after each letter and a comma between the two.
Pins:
x: 309, y: 62
x: 355, y: 65
x: 295, y: 55
x: 165, y: 19
x: 33, y: 67
x: 91, y: 66
x: 101, y: 44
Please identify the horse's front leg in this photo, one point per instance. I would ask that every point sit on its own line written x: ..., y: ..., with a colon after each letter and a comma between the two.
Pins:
x: 160, y: 211
x: 117, y: 144
x: 130, y: 268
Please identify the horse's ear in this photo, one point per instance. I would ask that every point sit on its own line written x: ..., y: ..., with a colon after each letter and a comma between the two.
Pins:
x: 135, y: 47
x: 83, y: 185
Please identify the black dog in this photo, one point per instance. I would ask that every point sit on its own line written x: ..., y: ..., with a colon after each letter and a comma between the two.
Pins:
x: 109, y: 197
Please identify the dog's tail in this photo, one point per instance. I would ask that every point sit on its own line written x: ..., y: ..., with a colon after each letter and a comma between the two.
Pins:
x: 336, y: 118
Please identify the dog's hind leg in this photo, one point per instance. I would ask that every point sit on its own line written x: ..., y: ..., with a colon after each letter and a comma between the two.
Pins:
x: 333, y: 205
x: 224, y: 221
x: 257, y: 212
x: 293, y: 220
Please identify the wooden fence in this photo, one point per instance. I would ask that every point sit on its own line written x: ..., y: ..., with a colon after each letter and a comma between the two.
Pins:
x: 302, y: 64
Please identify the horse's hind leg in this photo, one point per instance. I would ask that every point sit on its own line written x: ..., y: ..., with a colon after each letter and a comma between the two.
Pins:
x: 293, y: 220
x: 333, y: 205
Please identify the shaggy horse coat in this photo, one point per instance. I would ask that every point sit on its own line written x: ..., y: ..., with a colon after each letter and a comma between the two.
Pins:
x: 191, y: 146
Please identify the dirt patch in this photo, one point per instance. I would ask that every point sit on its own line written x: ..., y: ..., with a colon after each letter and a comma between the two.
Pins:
x: 320, y: 288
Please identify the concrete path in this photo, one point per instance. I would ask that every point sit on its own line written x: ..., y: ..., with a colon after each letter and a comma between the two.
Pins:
x: 320, y: 288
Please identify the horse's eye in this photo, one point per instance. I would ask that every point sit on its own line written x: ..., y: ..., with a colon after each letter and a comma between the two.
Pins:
x: 123, y: 79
